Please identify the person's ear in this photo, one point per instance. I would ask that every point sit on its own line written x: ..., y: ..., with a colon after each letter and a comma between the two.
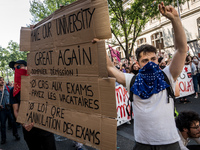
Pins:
x: 185, y: 129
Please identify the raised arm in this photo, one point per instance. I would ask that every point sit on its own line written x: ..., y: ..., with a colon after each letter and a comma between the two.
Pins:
x: 114, y: 72
x: 178, y: 60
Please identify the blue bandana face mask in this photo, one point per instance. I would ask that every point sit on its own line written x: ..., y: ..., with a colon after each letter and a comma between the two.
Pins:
x: 149, y: 81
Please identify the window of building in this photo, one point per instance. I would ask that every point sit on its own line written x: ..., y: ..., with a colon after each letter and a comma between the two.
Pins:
x: 153, y: 20
x: 198, y: 26
x: 157, y: 40
x: 118, y: 49
x: 141, y: 41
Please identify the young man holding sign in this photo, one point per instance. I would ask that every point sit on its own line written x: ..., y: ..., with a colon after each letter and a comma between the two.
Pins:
x: 154, y: 125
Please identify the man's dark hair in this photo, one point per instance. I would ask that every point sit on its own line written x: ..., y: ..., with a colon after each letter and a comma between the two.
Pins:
x: 124, y: 65
x: 195, y: 57
x: 185, y: 119
x: 187, y: 59
x: 146, y: 48
x: 160, y: 59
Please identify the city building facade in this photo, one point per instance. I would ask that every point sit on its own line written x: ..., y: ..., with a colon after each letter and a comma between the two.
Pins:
x: 159, y: 31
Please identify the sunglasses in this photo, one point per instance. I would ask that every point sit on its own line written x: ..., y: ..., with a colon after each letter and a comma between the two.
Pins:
x: 17, y: 67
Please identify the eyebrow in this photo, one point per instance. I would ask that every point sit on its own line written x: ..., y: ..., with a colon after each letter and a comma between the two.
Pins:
x: 145, y: 59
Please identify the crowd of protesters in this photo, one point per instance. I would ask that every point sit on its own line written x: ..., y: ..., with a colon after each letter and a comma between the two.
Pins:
x: 154, y: 123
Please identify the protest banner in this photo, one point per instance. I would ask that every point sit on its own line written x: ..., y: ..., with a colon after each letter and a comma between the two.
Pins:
x: 185, y: 82
x: 68, y: 91
x: 122, y: 98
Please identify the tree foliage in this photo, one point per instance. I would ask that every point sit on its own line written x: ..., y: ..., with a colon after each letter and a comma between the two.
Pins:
x: 11, y: 53
x: 40, y: 10
x: 127, y: 24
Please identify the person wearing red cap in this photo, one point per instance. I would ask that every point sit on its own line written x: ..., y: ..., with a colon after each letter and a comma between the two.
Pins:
x: 36, y: 139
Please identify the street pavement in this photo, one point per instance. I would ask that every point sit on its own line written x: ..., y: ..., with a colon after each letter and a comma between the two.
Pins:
x: 125, y: 138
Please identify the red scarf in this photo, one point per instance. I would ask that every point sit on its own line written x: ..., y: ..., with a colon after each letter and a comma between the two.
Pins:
x: 17, y: 80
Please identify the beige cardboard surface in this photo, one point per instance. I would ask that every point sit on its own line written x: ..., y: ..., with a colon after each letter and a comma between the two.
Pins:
x: 25, y: 40
x: 79, y: 22
x: 92, y: 130
x: 66, y: 93
x: 79, y: 60
x: 85, y: 94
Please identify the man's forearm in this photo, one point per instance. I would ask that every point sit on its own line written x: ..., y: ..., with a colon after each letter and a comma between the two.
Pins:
x: 180, y: 41
x: 114, y: 72
x: 15, y: 110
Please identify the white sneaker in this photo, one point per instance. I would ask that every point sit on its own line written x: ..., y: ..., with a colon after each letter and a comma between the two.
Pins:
x: 196, y: 96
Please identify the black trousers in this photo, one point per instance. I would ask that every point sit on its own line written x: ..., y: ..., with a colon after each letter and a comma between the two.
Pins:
x: 38, y: 139
x: 140, y: 146
x: 193, y: 147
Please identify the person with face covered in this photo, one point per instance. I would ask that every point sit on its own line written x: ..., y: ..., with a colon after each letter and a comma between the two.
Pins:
x: 162, y: 63
x: 134, y: 68
x: 187, y: 123
x: 36, y: 139
x: 154, y: 124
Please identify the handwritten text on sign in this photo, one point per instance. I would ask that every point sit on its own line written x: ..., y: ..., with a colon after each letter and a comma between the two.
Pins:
x: 71, y: 25
x: 186, y: 82
x: 122, y: 98
x: 69, y: 61
x: 63, y: 121
x: 67, y: 24
x: 77, y: 93
x: 74, y: 93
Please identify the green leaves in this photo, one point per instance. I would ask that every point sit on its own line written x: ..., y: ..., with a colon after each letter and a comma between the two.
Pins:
x: 40, y: 10
x: 127, y: 20
x: 11, y: 53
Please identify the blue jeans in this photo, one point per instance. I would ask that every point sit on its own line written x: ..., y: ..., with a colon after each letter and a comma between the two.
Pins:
x: 4, y: 114
x: 195, y: 82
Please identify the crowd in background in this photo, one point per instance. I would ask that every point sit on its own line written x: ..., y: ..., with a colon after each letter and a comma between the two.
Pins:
x: 132, y: 66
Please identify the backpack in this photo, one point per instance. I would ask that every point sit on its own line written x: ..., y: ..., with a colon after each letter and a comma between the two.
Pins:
x: 170, y: 94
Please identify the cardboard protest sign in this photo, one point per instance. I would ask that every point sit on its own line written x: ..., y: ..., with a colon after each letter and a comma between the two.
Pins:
x: 185, y: 82
x: 77, y: 93
x: 92, y: 130
x: 77, y: 60
x: 122, y: 98
x: 68, y: 91
x: 25, y: 40
x: 79, y: 22
x: 64, y: 116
